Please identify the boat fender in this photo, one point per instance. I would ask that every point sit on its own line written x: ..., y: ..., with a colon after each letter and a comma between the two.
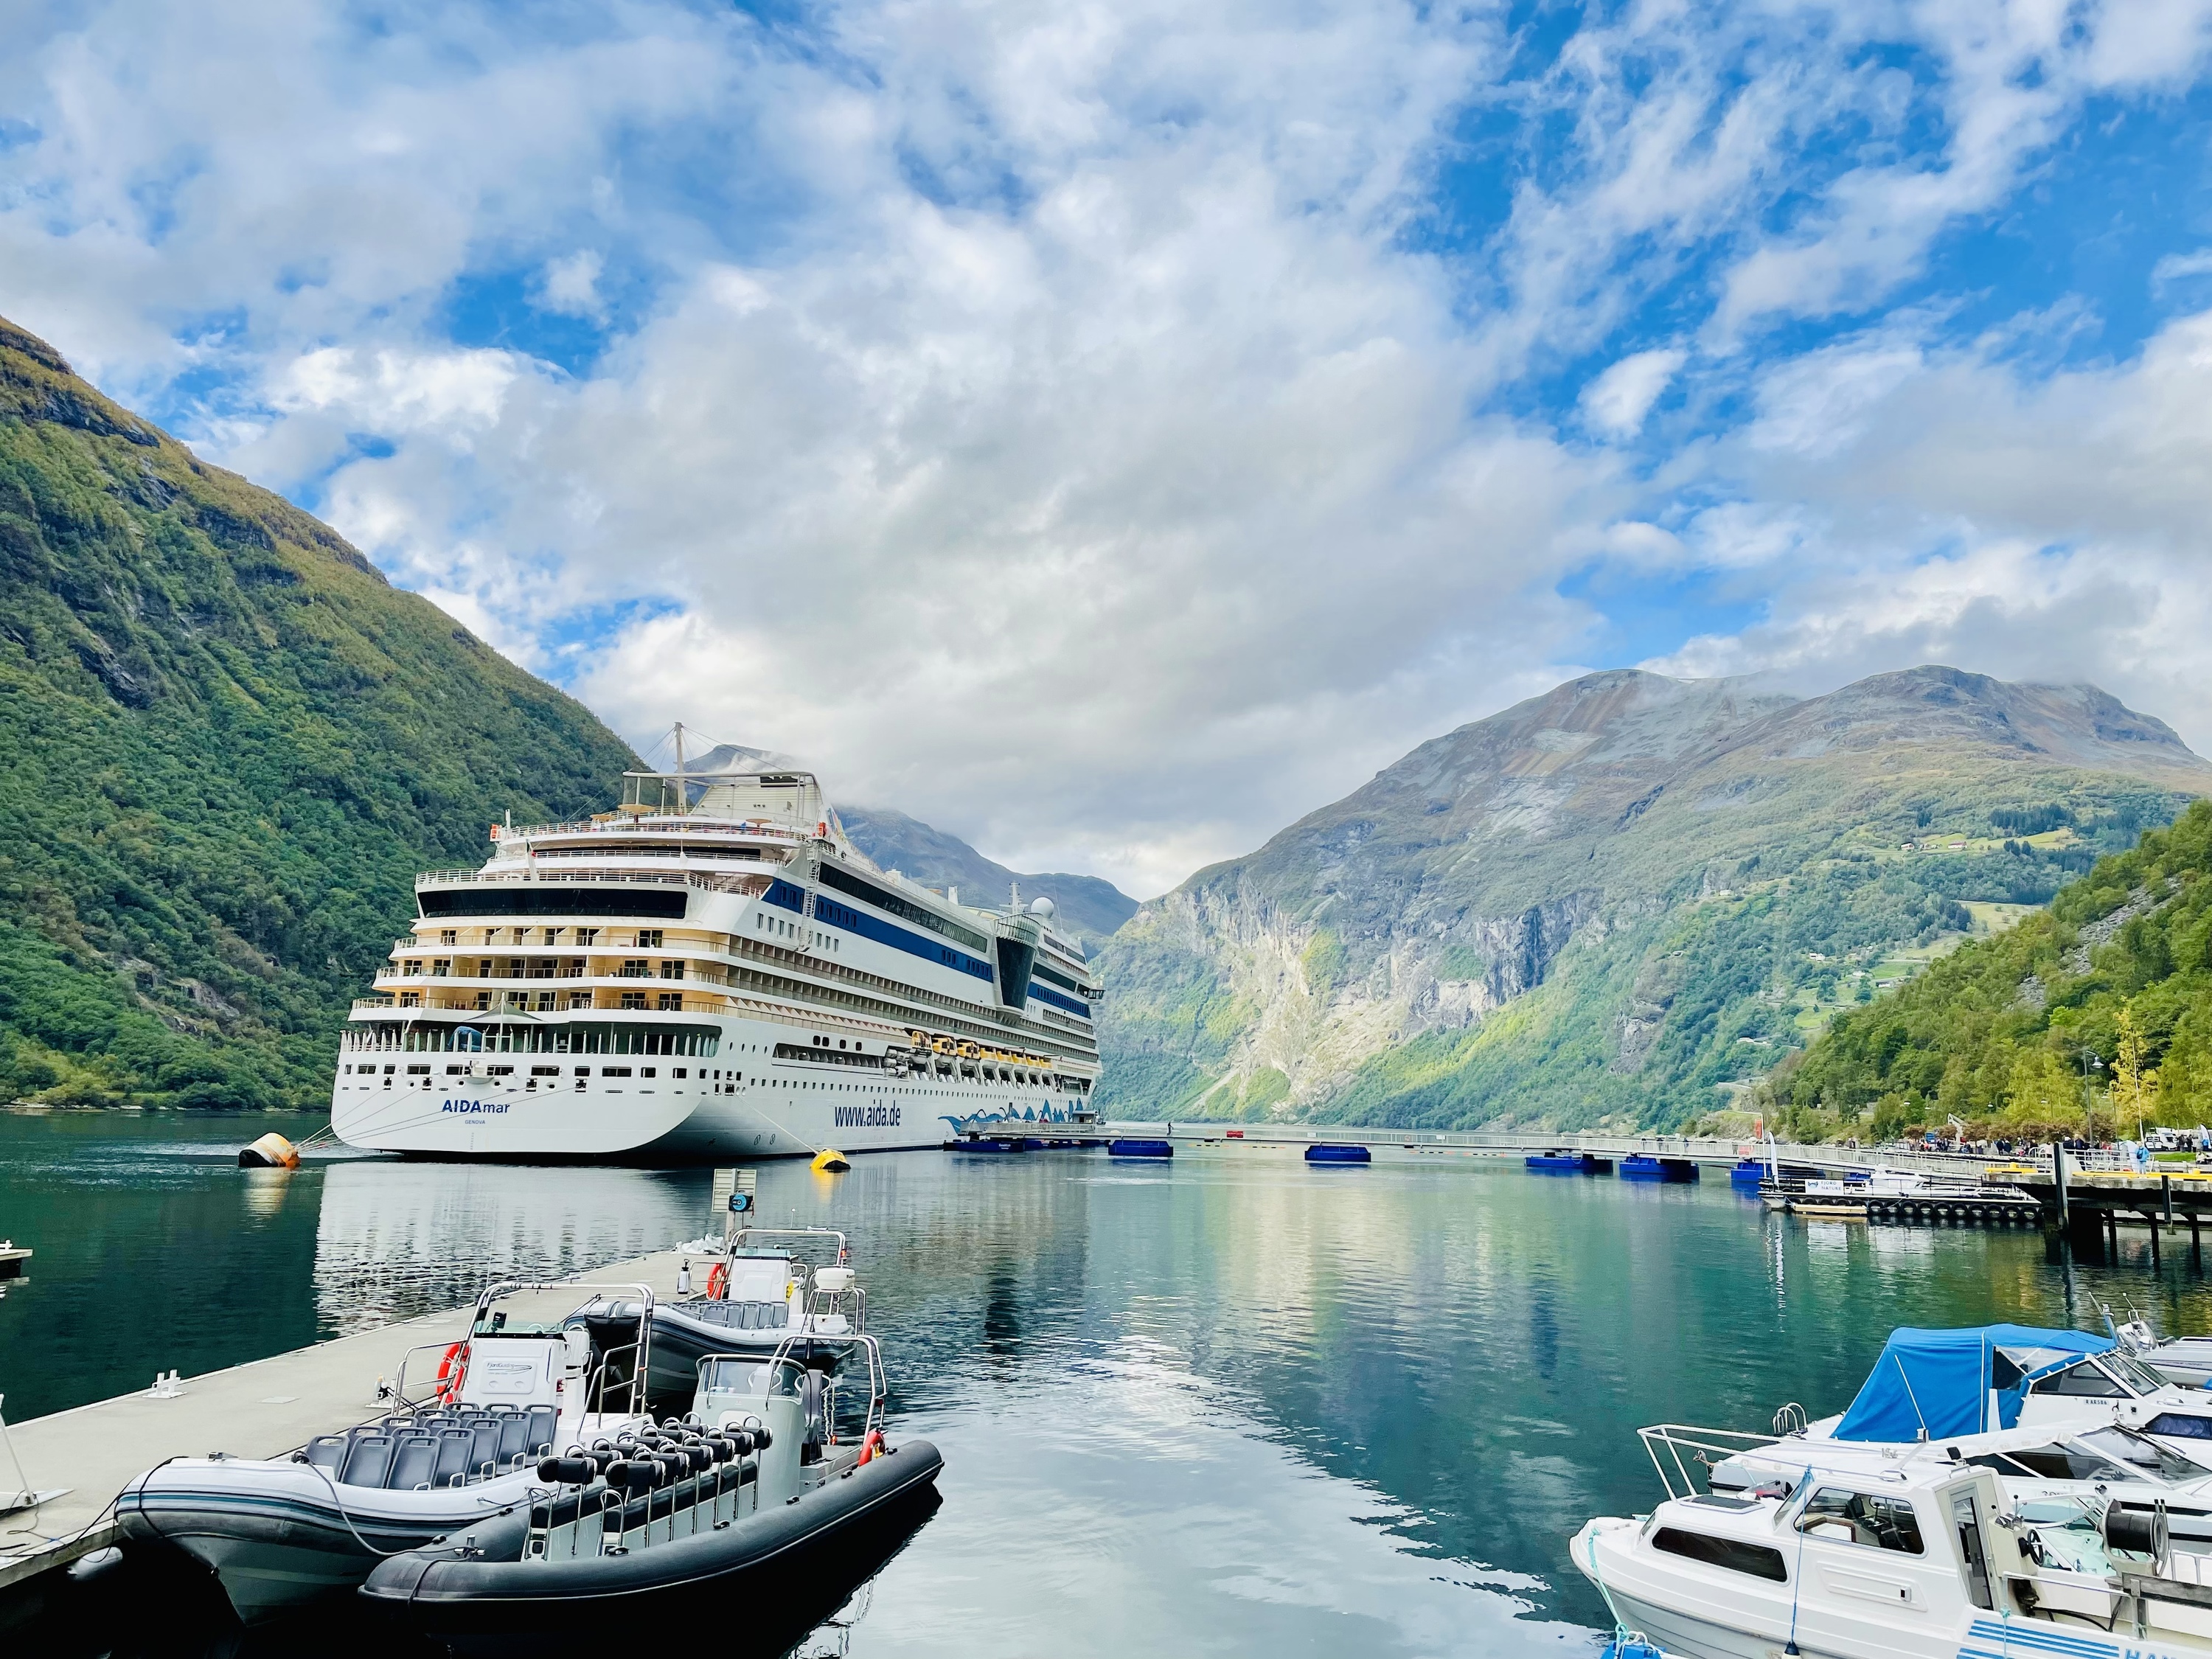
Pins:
x: 451, y: 1370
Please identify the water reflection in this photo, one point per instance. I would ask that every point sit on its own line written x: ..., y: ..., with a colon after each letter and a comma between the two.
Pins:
x: 396, y: 1239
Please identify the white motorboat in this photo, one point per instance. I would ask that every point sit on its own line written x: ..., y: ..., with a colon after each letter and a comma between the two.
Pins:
x: 1981, y: 1479
x: 456, y: 1449
x: 1925, y: 1560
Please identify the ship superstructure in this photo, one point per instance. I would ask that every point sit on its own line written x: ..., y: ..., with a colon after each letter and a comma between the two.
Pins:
x: 711, y: 970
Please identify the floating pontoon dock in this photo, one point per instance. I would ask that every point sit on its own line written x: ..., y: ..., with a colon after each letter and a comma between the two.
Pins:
x: 260, y: 1409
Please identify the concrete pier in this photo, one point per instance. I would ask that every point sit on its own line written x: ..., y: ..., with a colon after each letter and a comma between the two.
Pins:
x: 261, y: 1409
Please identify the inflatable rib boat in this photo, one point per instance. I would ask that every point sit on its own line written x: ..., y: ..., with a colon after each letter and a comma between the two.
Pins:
x: 280, y: 1532
x: 756, y: 1482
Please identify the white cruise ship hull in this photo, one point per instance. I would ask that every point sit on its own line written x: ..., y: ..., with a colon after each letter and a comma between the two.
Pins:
x: 739, y: 1101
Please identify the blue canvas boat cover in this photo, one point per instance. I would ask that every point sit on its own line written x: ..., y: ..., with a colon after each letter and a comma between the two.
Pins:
x: 1941, y: 1380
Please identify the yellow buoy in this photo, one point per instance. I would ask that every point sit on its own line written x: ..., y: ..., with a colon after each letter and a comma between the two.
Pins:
x: 830, y: 1161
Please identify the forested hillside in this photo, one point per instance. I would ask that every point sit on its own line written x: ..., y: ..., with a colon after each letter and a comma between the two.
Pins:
x: 2106, y: 994
x: 227, y: 745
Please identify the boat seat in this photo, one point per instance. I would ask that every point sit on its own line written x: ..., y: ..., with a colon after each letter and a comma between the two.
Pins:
x: 483, y: 1446
x: 453, y: 1465
x: 513, y: 1437
x: 326, y: 1452
x: 414, y: 1461
x: 544, y: 1423
x: 367, y: 1461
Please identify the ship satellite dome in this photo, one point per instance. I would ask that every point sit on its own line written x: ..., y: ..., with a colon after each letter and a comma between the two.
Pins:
x: 1043, y: 907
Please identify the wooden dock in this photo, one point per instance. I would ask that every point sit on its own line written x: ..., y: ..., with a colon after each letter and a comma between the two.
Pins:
x: 261, y: 1409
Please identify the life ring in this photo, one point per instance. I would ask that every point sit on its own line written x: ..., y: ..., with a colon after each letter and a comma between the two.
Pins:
x: 870, y: 1446
x: 717, y: 1282
x: 450, y: 1374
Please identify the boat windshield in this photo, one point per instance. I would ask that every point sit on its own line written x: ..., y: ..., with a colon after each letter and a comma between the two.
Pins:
x: 2061, y: 1460
x: 2066, y: 1534
x: 2147, y: 1460
x: 2131, y: 1371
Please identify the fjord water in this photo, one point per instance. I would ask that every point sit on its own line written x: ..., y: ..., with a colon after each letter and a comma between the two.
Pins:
x: 1229, y: 1405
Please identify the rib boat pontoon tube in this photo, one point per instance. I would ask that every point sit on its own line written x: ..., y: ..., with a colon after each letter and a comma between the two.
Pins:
x: 461, y: 1445
x: 764, y: 1471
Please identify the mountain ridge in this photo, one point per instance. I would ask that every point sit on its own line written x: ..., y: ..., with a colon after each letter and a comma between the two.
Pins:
x: 1090, y: 907
x: 1358, y: 961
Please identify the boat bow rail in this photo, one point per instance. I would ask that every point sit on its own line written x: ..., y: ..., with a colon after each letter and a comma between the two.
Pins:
x: 1680, y: 1444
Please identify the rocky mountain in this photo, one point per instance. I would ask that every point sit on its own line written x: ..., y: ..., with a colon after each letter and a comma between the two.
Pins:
x: 227, y: 746
x: 1621, y: 901
x: 1089, y: 908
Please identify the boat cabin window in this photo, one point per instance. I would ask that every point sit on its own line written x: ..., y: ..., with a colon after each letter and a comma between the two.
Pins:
x: 1760, y: 1560
x: 2083, y: 1381
x: 1858, y: 1517
x: 2180, y: 1426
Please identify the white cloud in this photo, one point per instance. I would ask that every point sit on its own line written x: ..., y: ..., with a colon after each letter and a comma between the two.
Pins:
x: 570, y: 286
x: 1616, y: 402
x: 1079, y: 427
x: 2048, y: 529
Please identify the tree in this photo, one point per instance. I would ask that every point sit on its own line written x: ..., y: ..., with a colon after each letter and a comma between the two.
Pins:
x: 2130, y: 1095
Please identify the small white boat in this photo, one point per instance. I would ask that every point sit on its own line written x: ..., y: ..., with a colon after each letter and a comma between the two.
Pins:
x: 1925, y: 1560
x: 2186, y: 1361
x: 460, y: 1446
x: 1990, y: 1491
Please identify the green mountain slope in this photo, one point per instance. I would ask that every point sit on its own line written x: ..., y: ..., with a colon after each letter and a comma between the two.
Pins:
x: 1090, y: 908
x: 227, y: 745
x: 2111, y: 986
x: 1623, y: 901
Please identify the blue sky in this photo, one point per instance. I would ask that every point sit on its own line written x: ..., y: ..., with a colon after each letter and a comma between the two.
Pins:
x: 1110, y: 432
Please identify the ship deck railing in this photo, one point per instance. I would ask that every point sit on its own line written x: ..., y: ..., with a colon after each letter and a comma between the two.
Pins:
x: 629, y: 824
x: 713, y: 881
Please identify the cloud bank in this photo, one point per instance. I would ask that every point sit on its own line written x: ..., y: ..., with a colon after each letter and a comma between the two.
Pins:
x: 1108, y: 432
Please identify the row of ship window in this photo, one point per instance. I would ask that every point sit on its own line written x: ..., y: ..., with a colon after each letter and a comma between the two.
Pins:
x: 648, y: 939
x: 537, y: 967
x: 547, y: 1002
x: 368, y: 1070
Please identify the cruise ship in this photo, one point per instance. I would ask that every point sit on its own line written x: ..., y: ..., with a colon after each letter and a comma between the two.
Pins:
x: 711, y: 971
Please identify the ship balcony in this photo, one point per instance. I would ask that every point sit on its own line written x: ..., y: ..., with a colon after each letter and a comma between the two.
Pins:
x: 603, y: 1000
